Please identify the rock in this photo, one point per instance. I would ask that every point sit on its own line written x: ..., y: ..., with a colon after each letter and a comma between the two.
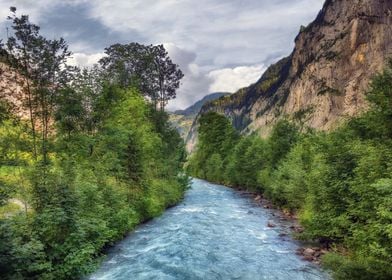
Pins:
x: 308, y: 258
x: 308, y: 252
x: 257, y: 198
x: 271, y: 225
x: 300, y: 251
x: 296, y: 228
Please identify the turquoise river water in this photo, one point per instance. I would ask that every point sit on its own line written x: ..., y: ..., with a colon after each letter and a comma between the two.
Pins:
x: 215, y: 233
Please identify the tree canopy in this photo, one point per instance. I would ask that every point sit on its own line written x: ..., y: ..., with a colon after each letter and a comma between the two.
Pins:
x: 148, y: 67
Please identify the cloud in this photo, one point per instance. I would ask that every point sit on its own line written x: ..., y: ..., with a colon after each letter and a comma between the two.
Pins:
x: 198, y: 82
x: 232, y: 79
x: 35, y: 9
x: 227, y: 43
x: 195, y: 83
x: 84, y: 60
x: 222, y: 32
x: 219, y: 45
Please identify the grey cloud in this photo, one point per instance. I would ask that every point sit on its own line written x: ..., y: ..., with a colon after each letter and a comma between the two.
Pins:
x: 195, y: 83
x: 205, y: 35
x: 83, y: 33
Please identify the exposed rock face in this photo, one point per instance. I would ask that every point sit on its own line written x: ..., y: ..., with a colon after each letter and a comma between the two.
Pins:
x: 324, y: 80
x: 12, y: 89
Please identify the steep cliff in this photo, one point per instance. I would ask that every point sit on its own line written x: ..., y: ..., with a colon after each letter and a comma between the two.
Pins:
x: 324, y: 79
x: 12, y: 89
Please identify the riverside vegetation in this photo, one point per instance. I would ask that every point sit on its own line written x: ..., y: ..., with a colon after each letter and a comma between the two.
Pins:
x: 339, y: 183
x: 86, y: 155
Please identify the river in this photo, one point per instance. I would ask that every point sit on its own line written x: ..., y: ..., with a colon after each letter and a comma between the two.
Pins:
x: 215, y: 233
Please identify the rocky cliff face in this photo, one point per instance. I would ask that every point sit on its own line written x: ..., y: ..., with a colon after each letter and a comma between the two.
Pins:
x: 324, y: 79
x: 12, y: 89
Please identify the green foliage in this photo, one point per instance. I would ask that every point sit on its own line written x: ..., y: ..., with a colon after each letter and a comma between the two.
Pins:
x: 283, y: 136
x: 214, y: 168
x: 148, y: 67
x: 89, y: 160
x: 216, y: 137
x: 340, y: 183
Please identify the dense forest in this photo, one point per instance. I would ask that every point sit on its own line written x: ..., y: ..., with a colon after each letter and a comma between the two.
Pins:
x: 85, y: 154
x: 339, y: 183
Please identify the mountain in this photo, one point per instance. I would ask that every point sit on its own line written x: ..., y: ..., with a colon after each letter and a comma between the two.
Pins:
x: 195, y: 108
x: 323, y: 81
x: 183, y: 119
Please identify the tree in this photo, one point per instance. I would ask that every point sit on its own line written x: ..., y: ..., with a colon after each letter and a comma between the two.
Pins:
x: 214, y: 168
x: 42, y: 63
x: 167, y: 75
x: 103, y: 160
x: 283, y: 137
x: 147, y: 67
x: 216, y: 136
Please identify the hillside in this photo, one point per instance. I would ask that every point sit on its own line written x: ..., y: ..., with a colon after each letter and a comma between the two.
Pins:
x: 183, y: 119
x: 323, y: 80
x: 195, y: 108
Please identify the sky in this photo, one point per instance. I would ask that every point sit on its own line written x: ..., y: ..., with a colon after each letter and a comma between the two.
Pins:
x: 220, y: 45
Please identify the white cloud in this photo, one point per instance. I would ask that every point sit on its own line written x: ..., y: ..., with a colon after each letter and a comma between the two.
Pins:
x: 84, y: 60
x: 232, y: 79
x: 198, y: 81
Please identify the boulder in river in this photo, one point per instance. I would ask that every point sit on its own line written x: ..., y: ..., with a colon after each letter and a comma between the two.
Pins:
x: 271, y: 225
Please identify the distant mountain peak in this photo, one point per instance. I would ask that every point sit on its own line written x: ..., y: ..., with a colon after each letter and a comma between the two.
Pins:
x: 183, y: 119
x: 195, y: 108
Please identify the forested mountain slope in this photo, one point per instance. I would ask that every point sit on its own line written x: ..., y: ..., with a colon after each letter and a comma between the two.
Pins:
x: 183, y: 119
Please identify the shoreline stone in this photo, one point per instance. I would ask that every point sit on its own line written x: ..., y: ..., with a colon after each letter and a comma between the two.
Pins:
x: 311, y: 254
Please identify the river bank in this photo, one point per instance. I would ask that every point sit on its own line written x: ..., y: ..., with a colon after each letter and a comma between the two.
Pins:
x: 311, y: 251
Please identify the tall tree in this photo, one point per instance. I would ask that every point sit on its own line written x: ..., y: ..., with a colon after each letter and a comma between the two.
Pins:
x: 42, y: 63
x: 147, y: 67
x: 166, y: 76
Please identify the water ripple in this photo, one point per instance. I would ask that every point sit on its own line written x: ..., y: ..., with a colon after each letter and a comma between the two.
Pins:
x: 214, y: 234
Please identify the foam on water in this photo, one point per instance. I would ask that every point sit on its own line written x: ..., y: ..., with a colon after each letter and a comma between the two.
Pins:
x: 213, y: 234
